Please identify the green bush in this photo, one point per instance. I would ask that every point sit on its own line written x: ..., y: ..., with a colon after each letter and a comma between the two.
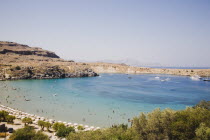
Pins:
x: 191, y: 123
x: 47, y: 125
x: 64, y: 131
x: 114, y: 133
x: 41, y: 124
x: 57, y: 126
x: 203, y: 132
x: 28, y: 133
x: 203, y: 104
x: 80, y: 127
x: 3, y: 115
x: 167, y: 124
x: 27, y: 121
x: 10, y: 118
x: 40, y: 136
x: 154, y: 125
x: 187, y: 121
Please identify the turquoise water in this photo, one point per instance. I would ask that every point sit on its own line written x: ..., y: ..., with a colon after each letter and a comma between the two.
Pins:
x: 104, y: 100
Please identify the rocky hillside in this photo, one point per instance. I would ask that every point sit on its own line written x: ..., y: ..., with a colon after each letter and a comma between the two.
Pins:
x: 15, y: 48
x: 18, y: 61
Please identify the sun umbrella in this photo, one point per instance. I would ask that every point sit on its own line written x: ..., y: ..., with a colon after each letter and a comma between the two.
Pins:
x: 88, y: 129
x: 42, y: 118
x: 75, y: 124
x: 51, y: 120
x: 98, y: 128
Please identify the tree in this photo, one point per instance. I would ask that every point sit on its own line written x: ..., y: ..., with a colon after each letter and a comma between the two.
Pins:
x: 41, y: 124
x: 27, y: 121
x: 40, y: 136
x: 139, y: 125
x: 119, y: 132
x: 47, y: 125
x: 3, y: 115
x: 187, y: 121
x: 203, y: 104
x: 154, y: 125
x: 80, y: 127
x: 25, y: 133
x: 57, y: 126
x: 10, y: 118
x: 203, y: 132
x: 28, y: 133
x: 167, y: 117
x: 64, y: 131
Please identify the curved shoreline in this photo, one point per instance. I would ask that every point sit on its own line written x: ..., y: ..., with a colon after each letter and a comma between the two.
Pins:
x: 35, y: 118
x: 121, y: 68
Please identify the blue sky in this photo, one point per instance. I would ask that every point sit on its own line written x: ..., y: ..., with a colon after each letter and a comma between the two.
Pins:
x: 170, y: 32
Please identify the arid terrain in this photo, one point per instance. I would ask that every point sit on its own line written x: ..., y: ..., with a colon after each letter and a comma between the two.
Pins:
x: 18, y: 61
x: 122, y: 68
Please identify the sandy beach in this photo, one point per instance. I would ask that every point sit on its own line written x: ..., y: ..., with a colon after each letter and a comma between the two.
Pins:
x: 19, y: 124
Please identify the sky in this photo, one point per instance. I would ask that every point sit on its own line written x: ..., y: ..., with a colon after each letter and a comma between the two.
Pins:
x: 169, y: 32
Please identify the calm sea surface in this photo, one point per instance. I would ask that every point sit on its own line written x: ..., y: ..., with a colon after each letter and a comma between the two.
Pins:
x: 104, y: 100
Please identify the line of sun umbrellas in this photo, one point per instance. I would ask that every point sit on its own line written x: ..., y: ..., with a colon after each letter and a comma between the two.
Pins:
x: 21, y: 115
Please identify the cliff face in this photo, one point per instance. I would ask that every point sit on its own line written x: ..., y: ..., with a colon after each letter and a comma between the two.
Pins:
x: 118, y: 68
x: 19, y: 61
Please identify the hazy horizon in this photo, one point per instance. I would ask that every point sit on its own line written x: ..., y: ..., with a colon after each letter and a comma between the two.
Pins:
x: 170, y: 33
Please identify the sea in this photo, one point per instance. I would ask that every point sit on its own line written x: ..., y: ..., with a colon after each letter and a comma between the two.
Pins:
x: 105, y: 100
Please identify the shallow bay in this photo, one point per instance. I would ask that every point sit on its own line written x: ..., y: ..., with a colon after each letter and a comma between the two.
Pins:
x: 104, y: 100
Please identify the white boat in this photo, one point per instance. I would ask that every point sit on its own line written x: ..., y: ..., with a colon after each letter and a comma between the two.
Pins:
x: 195, y: 77
x: 157, y: 77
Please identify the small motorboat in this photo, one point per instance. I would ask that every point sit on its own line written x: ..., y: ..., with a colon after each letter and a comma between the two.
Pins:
x: 195, y: 77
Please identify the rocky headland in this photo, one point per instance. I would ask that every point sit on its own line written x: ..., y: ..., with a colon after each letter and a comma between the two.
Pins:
x: 18, y: 61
